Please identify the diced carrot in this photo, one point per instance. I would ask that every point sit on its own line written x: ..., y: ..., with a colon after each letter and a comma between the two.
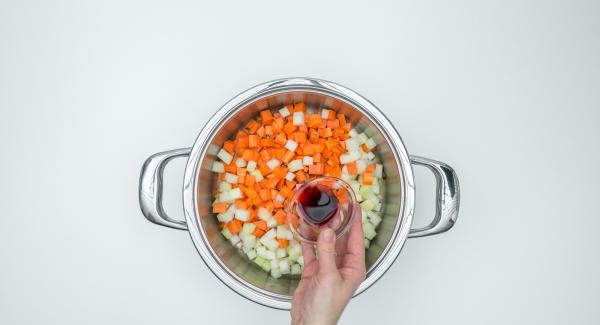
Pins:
x: 219, y: 207
x: 352, y: 169
x: 290, y: 184
x: 229, y: 146
x: 241, y: 204
x: 269, y: 130
x: 288, y: 156
x: 331, y: 143
x: 364, y: 148
x: 258, y: 232
x: 283, y: 243
x: 333, y: 124
x: 316, y: 169
x: 266, y: 116
x: 264, y: 194
x: 319, y: 147
x: 335, y: 159
x: 289, y: 128
x: 281, y: 183
x: 280, y: 172
x: 285, y: 192
x: 299, y: 107
x: 264, y: 154
x: 249, y: 180
x: 371, y: 168
x: 261, y: 131
x: 307, y: 149
x: 280, y: 138
x: 241, y: 172
x: 243, y: 143
x: 335, y: 171
x: 325, y: 132
x: 231, y: 168
x: 265, y: 170
x: 234, y: 226
x: 317, y: 157
x: 277, y: 124
x: 367, y: 178
x: 300, y: 176
x: 247, y: 154
x: 253, y: 141
x: 270, y: 183
x: 300, y: 137
x: 269, y: 206
x: 331, y: 115
x: 261, y: 224
x: 252, y: 126
x: 267, y: 143
x: 342, y: 119
x: 241, y: 134
x: 272, y: 152
x: 250, y: 192
x: 314, y: 120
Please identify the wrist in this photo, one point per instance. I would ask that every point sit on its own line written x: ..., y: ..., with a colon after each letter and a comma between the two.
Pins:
x: 303, y: 321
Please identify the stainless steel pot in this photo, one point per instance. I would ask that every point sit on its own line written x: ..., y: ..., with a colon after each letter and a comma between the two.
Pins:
x: 233, y: 268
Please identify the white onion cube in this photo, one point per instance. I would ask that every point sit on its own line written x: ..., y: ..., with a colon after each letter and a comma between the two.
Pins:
x: 291, y: 145
x: 370, y: 143
x: 273, y: 163
x: 235, y: 194
x: 217, y: 167
x: 290, y: 176
x: 263, y: 213
x: 225, y: 156
x: 298, y: 118
x: 240, y: 162
x: 242, y: 214
x: 352, y: 144
x: 295, y: 165
x: 307, y: 160
x: 251, y: 165
x: 231, y: 178
x: 284, y: 111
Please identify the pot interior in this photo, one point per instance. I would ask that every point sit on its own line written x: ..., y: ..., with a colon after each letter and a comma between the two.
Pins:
x: 235, y: 262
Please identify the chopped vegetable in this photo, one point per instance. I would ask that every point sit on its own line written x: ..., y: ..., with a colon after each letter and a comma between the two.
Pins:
x: 270, y: 156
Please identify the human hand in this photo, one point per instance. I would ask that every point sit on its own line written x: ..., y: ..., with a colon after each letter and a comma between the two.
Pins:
x: 329, y: 281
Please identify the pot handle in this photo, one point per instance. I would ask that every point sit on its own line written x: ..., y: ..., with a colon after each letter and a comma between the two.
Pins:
x: 151, y: 188
x: 447, y: 198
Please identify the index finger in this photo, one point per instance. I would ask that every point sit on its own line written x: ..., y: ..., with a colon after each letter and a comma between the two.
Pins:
x: 355, y: 254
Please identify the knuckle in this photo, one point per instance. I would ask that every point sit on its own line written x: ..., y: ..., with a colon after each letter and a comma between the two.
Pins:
x: 326, y: 250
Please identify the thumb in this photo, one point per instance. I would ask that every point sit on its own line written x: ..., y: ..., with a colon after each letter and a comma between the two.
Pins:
x: 326, y: 251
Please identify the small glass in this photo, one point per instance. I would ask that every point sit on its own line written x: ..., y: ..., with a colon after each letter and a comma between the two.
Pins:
x: 323, y: 202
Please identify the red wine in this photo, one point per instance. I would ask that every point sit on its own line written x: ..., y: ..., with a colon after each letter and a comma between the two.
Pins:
x: 318, y: 203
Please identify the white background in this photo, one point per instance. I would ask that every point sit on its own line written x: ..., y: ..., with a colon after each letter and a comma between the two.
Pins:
x: 507, y: 92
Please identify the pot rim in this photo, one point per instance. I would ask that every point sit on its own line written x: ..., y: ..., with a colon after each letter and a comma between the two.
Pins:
x: 201, y: 145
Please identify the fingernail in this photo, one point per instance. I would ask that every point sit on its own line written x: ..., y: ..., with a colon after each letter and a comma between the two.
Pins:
x: 328, y: 235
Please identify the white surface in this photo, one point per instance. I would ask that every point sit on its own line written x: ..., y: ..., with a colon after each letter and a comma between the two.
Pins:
x: 507, y: 92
